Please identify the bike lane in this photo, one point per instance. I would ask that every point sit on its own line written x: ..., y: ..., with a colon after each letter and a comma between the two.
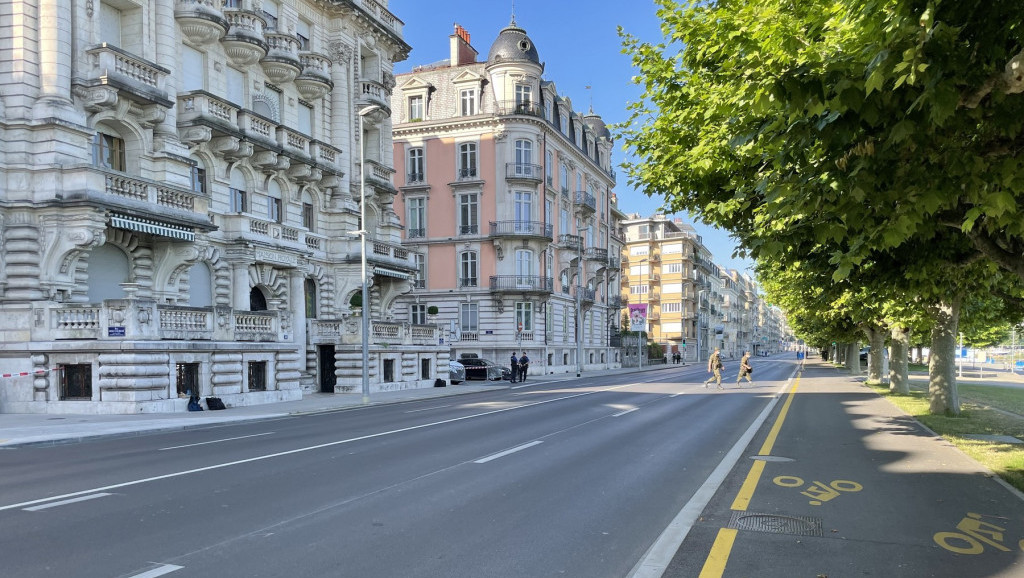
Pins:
x: 839, y: 482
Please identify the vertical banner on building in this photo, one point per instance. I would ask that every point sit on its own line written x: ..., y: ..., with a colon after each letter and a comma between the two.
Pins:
x: 638, y: 317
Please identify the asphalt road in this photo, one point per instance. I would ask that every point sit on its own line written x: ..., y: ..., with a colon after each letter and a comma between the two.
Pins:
x: 575, y: 478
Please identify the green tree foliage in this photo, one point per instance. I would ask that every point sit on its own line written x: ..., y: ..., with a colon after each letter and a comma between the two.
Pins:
x: 860, y: 124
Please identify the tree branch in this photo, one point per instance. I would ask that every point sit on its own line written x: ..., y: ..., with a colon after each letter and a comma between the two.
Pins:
x: 1008, y: 260
x: 1010, y: 81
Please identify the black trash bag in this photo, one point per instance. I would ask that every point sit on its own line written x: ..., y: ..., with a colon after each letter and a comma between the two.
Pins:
x: 215, y: 403
x: 439, y: 382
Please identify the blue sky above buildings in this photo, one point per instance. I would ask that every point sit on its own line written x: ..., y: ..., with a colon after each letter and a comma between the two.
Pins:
x: 580, y: 47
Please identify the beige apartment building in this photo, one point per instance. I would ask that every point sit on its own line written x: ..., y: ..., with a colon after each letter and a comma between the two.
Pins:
x: 179, y: 187
x: 506, y: 197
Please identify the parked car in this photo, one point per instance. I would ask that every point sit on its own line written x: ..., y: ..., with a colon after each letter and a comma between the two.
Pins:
x: 480, y: 368
x: 864, y: 354
x: 456, y: 372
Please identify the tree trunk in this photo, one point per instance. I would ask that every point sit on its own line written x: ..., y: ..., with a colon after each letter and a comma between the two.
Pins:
x: 853, y: 358
x: 899, y: 380
x: 876, y: 339
x: 942, y: 394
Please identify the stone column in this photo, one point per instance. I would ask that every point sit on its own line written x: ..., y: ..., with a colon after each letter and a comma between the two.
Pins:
x: 240, y: 286
x: 166, y: 132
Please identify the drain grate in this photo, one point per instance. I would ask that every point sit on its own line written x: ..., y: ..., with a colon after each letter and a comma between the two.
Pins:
x: 776, y: 524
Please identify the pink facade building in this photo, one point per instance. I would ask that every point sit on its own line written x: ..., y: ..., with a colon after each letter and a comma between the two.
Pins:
x: 506, y: 196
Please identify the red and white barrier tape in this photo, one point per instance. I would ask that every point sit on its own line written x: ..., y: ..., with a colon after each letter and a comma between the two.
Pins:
x: 27, y: 373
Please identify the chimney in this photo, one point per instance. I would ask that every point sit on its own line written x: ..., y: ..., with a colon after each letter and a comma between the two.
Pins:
x: 460, y: 51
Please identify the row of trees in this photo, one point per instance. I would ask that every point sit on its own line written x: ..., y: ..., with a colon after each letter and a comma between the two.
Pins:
x: 866, y: 153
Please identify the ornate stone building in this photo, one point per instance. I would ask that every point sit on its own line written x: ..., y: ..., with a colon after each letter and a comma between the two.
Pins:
x: 179, y: 188
x: 507, y: 193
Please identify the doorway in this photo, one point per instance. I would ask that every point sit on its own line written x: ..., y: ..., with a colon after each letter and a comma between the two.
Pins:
x: 325, y: 361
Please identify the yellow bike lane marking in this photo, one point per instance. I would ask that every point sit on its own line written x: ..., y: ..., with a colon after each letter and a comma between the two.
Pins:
x: 714, y: 565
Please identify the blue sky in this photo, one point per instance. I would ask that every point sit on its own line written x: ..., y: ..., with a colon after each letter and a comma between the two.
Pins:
x: 580, y: 46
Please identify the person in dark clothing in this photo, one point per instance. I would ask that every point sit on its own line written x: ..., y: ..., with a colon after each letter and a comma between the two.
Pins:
x: 514, y: 366
x: 524, y: 364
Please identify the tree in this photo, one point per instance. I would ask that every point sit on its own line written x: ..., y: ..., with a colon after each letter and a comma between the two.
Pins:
x: 862, y: 131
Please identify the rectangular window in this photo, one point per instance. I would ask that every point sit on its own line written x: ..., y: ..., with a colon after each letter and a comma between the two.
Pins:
x: 198, y: 180
x: 76, y: 381
x: 237, y: 202
x: 274, y: 209
x: 468, y: 269
x: 414, y: 162
x: 638, y: 289
x: 415, y: 108
x: 307, y: 217
x: 108, y: 152
x: 524, y: 95
x: 257, y: 376
x: 424, y: 369
x: 236, y: 86
x: 468, y: 214
x: 671, y: 307
x: 549, y: 162
x: 416, y: 219
x: 673, y: 268
x: 469, y: 316
x: 192, y: 69
x: 110, y: 24
x: 270, y: 15
x: 305, y: 125
x: 523, y: 207
x: 389, y: 370
x: 524, y: 316
x: 420, y: 282
x: 418, y: 314
x: 187, y: 378
x: 302, y: 32
x: 467, y: 160
x: 671, y: 248
x: 467, y: 102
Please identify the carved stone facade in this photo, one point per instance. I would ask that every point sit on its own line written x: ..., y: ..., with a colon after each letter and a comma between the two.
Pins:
x: 176, y: 207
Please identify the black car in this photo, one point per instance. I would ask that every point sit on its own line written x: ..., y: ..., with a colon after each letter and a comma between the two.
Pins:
x: 480, y: 368
x: 864, y: 354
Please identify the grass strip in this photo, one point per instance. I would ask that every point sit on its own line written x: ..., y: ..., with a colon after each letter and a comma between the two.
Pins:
x: 978, y: 415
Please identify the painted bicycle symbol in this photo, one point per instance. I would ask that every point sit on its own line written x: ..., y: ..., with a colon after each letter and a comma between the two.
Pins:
x: 819, y: 491
x: 975, y: 534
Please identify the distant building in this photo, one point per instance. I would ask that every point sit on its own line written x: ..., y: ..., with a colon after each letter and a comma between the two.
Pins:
x: 506, y: 196
x: 179, y: 185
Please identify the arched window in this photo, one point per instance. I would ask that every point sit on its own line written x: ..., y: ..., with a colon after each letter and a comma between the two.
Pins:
x: 200, y: 293
x: 108, y: 268
x: 468, y: 269
x: 257, y: 300
x: 524, y: 152
x: 311, y: 301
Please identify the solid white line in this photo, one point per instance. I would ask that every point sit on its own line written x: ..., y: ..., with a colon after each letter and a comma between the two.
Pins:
x: 429, y: 408
x: 625, y: 412
x: 215, y: 441
x: 307, y: 448
x: 158, y: 571
x: 657, y: 558
x: 507, y: 452
x: 66, y: 502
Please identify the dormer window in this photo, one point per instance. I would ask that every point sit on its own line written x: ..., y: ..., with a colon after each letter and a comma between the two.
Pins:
x: 416, y: 108
x: 467, y: 102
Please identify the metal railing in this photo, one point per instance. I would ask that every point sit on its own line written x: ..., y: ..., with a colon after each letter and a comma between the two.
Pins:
x: 524, y: 171
x: 521, y: 229
x: 522, y: 283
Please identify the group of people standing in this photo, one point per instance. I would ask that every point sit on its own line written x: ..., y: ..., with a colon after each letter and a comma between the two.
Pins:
x: 715, y: 367
x: 519, y: 366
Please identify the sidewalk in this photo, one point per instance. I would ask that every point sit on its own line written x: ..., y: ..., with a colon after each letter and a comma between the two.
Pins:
x: 47, y: 429
x: 840, y: 482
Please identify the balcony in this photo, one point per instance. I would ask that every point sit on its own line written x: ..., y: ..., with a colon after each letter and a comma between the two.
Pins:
x: 381, y: 15
x: 415, y: 233
x: 389, y: 255
x: 314, y: 80
x: 134, y: 79
x: 513, y: 108
x: 595, y: 254
x: 281, y: 64
x: 244, y: 43
x: 522, y: 284
x: 614, y: 262
x: 615, y: 302
x: 654, y: 296
x: 379, y: 175
x: 201, y: 21
x: 586, y: 295
x: 585, y: 202
x: 373, y: 93
x: 467, y: 174
x: 523, y: 229
x: 469, y: 230
x: 527, y: 172
x: 381, y: 332
x: 133, y: 320
x: 573, y: 242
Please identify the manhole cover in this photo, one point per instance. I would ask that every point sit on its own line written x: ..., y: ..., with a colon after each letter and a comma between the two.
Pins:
x: 771, y: 458
x: 776, y: 524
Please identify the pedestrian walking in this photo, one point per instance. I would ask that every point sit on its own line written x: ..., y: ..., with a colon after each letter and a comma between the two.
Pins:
x: 800, y: 357
x: 745, y: 369
x: 524, y: 364
x: 514, y: 366
x: 715, y: 367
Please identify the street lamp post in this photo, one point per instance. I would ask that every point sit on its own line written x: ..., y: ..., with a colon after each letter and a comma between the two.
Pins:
x: 362, y: 251
x: 699, y: 329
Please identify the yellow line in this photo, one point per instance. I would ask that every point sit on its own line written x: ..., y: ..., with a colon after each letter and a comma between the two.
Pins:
x: 747, y: 490
x: 766, y: 449
x: 714, y: 566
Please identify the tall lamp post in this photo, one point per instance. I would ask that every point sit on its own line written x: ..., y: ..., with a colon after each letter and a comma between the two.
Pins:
x: 699, y: 328
x: 362, y: 251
